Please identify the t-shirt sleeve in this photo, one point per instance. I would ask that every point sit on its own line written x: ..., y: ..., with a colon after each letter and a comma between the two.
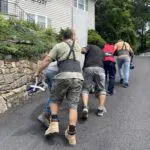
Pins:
x: 53, y: 53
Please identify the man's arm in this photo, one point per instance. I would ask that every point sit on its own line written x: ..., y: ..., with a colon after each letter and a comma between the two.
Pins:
x: 115, y: 50
x: 131, y: 51
x: 43, y: 65
x: 47, y: 60
x: 115, y: 47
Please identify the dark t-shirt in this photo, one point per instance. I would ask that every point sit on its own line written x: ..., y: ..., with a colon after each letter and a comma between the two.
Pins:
x: 94, y: 56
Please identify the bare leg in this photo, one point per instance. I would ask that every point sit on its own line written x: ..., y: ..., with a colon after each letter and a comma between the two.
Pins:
x: 85, y: 99
x: 73, y: 117
x: 102, y: 99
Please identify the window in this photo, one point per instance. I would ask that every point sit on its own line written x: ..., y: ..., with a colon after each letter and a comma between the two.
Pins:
x: 4, y: 6
x: 81, y: 4
x: 31, y: 17
x: 41, y: 21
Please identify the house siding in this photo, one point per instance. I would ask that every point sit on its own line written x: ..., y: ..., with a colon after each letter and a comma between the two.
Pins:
x: 91, y: 14
x: 54, y: 10
x: 58, y: 11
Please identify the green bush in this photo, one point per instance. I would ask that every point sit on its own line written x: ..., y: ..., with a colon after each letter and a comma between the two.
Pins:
x: 3, y: 22
x: 48, y: 35
x: 24, y: 39
x: 27, y: 24
x: 94, y: 38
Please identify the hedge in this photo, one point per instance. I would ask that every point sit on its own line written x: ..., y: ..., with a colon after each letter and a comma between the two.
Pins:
x: 25, y: 39
x: 95, y: 38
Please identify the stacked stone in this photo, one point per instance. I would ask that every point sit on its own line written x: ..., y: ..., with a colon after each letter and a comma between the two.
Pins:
x: 14, y: 76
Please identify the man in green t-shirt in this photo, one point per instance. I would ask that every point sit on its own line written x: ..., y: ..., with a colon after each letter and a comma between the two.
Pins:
x: 68, y: 82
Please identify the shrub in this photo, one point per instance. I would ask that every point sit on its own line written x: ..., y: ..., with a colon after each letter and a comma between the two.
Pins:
x: 25, y: 39
x: 3, y: 22
x: 48, y: 35
x: 94, y: 38
x: 23, y: 23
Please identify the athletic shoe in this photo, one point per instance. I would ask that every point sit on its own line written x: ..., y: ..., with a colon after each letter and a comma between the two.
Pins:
x: 125, y: 85
x: 71, y: 138
x: 100, y: 112
x: 53, y: 128
x: 85, y: 113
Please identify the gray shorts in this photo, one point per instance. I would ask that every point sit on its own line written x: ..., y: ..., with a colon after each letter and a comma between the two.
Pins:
x: 71, y: 88
x: 94, y: 76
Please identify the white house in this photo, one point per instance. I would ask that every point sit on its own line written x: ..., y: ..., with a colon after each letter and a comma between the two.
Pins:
x: 79, y: 14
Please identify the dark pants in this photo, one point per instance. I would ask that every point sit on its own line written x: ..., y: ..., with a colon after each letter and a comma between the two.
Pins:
x: 110, y: 71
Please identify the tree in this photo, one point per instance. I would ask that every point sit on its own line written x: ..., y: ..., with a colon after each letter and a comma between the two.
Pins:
x: 114, y: 21
x: 141, y: 16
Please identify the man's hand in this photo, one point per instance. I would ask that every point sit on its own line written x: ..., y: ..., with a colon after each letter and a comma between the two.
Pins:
x: 36, y: 75
x: 84, y: 50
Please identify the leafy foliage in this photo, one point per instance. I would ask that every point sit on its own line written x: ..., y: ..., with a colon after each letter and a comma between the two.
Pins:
x: 24, y: 39
x: 141, y: 16
x: 95, y: 38
x: 125, y: 19
x: 114, y: 21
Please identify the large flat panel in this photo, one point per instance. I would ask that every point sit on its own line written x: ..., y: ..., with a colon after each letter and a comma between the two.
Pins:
x: 80, y: 24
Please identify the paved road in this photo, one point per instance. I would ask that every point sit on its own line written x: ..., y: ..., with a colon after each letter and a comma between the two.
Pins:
x: 126, y: 126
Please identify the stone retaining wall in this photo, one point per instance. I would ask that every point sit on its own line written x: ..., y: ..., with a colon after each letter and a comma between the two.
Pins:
x: 14, y: 76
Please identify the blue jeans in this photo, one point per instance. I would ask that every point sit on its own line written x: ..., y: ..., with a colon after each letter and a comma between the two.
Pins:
x: 110, y: 71
x: 49, y: 74
x: 124, y: 68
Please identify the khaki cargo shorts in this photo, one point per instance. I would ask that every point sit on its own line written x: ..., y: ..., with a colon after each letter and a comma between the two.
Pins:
x: 71, y: 88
